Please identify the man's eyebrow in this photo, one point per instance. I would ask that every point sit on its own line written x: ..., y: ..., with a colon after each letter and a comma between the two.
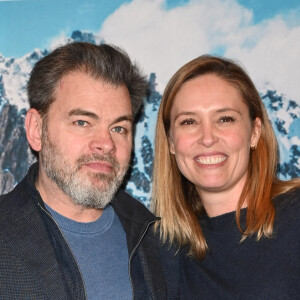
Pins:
x: 81, y: 112
x: 128, y: 118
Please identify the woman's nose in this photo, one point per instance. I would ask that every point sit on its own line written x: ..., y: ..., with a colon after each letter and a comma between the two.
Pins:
x: 207, y: 135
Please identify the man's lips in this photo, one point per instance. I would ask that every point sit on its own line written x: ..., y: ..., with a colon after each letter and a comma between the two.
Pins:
x: 211, y: 159
x: 99, y: 166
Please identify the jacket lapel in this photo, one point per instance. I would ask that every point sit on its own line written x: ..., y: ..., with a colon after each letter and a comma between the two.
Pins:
x: 143, y: 250
x: 25, y: 233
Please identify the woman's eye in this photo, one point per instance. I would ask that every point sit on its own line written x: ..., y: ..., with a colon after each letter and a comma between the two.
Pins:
x: 187, y: 122
x: 226, y: 119
x: 81, y: 123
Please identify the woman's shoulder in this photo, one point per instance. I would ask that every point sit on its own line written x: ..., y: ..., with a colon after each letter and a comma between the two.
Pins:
x: 291, y: 196
x: 288, y: 204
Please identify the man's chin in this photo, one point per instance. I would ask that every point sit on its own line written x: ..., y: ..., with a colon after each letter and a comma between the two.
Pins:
x: 100, y: 176
x: 98, y: 183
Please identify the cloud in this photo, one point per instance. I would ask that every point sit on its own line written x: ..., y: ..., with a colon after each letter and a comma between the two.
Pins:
x: 58, y: 41
x: 162, y: 39
x: 273, y: 56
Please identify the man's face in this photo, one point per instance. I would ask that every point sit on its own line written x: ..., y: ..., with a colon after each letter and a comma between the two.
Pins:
x: 87, y: 139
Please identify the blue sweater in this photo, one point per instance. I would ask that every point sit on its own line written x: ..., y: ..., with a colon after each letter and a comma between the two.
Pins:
x: 264, y: 269
x: 101, y: 252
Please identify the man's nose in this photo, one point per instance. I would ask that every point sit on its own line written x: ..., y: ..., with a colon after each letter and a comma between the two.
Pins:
x: 103, y: 142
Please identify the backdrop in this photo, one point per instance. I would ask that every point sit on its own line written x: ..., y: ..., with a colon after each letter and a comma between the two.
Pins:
x: 161, y: 35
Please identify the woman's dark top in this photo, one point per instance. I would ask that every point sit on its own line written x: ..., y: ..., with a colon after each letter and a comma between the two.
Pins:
x: 264, y: 269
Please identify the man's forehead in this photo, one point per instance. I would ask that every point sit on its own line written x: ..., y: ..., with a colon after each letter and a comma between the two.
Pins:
x: 78, y: 86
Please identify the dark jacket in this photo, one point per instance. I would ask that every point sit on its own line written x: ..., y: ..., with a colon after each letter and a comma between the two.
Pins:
x: 37, y: 263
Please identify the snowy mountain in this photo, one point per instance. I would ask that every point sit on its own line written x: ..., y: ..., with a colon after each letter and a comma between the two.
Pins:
x: 285, y: 118
x: 16, y: 156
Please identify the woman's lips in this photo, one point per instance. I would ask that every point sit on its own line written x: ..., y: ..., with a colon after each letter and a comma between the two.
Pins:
x: 211, y: 159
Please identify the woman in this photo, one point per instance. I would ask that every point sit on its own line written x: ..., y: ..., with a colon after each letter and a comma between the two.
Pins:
x: 216, y: 191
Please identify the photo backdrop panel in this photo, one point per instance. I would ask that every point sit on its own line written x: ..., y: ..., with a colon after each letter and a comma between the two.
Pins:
x: 161, y: 35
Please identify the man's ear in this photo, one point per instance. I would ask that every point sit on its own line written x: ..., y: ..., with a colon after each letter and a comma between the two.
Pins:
x: 33, y: 125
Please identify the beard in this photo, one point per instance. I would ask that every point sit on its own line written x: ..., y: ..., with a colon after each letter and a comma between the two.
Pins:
x: 90, y: 190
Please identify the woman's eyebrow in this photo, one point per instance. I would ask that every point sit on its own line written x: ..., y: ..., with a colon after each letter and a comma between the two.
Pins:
x: 184, y: 113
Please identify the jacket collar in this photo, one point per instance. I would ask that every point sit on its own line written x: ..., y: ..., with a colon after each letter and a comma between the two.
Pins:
x: 134, y: 216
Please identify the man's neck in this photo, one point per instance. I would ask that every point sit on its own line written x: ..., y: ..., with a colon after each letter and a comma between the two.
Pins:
x: 62, y: 203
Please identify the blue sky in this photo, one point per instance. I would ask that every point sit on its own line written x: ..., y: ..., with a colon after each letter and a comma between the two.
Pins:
x: 29, y: 24
x: 162, y: 35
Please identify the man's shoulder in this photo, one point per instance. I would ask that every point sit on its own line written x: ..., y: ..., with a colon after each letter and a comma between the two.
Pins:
x: 128, y: 206
x: 21, y: 193
x: 12, y: 199
x: 124, y: 195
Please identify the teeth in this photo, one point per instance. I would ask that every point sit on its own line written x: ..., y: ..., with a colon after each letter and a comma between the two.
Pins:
x: 211, y: 160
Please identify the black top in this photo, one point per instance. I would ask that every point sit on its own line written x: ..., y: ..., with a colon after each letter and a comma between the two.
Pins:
x: 264, y: 269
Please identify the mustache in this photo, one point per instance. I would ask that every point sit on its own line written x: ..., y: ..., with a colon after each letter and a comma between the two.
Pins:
x: 98, y: 157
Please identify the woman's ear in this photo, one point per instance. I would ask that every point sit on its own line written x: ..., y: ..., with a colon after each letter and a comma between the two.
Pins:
x: 33, y: 125
x: 171, y: 146
x: 256, y: 132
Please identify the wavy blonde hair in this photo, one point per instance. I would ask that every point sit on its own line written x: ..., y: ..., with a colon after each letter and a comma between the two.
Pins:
x: 176, y: 200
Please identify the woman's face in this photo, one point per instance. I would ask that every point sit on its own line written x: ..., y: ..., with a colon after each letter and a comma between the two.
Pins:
x: 211, y: 134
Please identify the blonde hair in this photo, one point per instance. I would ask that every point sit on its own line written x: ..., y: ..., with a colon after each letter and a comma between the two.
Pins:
x: 176, y: 200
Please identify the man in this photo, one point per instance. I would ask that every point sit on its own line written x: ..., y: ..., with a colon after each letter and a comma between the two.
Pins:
x: 67, y: 231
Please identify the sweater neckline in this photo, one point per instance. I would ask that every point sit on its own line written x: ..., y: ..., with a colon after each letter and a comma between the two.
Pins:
x: 222, y: 222
x: 102, y: 224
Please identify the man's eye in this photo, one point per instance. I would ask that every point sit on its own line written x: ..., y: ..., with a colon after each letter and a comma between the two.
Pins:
x: 226, y: 119
x: 187, y: 122
x: 81, y: 123
x: 119, y: 129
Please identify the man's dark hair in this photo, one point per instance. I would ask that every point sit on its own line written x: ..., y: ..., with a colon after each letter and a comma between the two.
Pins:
x: 104, y: 62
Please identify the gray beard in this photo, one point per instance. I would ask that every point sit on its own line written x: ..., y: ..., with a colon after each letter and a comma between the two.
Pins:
x: 78, y: 187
